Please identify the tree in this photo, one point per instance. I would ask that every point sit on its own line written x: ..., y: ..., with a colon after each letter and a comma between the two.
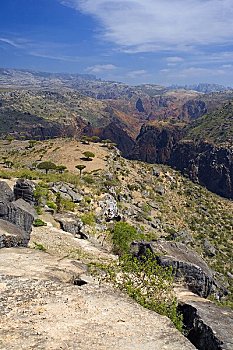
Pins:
x: 32, y: 143
x: 88, y: 155
x: 47, y: 165
x: 61, y: 168
x: 86, y: 140
x: 95, y: 139
x: 80, y: 167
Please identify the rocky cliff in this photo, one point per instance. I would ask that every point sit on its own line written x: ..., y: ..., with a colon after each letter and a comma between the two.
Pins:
x: 203, y: 150
x: 209, y: 165
x: 155, y: 143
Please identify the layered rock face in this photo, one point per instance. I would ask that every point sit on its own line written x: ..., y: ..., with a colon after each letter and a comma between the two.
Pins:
x: 205, y: 163
x: 24, y: 189
x: 205, y: 330
x: 155, y: 144
x: 16, y: 218
x: 186, y: 264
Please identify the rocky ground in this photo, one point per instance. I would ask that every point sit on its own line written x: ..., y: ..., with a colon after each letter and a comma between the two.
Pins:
x: 41, y: 308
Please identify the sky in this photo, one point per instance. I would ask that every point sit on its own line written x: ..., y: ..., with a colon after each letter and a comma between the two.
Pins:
x: 132, y: 41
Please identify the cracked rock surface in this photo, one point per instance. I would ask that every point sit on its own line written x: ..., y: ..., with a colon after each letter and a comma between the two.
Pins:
x: 41, y: 308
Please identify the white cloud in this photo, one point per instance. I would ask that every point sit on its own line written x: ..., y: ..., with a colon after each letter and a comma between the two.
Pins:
x: 174, y: 59
x: 193, y: 73
x: 226, y: 66
x: 17, y: 43
x: 98, y: 68
x: 137, y: 73
x: 152, y: 25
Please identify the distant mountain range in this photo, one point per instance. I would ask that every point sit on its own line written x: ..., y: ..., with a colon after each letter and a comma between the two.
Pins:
x: 101, y: 89
x: 202, y: 87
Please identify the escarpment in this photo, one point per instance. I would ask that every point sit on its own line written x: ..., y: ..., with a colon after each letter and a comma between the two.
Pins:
x: 204, y: 162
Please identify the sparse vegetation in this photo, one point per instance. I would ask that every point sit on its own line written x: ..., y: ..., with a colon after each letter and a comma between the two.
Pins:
x: 39, y: 222
x: 147, y: 283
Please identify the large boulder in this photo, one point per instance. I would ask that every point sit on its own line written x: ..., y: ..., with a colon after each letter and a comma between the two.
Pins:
x: 70, y: 223
x: 24, y: 189
x: 16, y: 215
x: 12, y: 236
x: 6, y: 193
x: 187, y: 266
x: 108, y: 209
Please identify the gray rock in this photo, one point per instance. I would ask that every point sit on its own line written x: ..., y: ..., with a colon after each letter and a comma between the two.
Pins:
x: 12, y: 236
x: 209, y: 248
x: 160, y: 190
x: 70, y: 223
x: 25, y: 189
x: 183, y: 237
x: 155, y: 172
x: 67, y: 191
x: 109, y: 210
x: 6, y: 194
x: 22, y: 204
x: 208, y: 326
x: 16, y: 215
x: 187, y: 266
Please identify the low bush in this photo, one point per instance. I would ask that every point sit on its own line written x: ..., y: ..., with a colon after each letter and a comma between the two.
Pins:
x: 123, y: 235
x: 39, y: 222
x: 146, y: 282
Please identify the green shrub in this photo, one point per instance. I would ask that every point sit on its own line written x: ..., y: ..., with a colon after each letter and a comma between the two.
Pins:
x: 39, y: 222
x: 88, y: 179
x: 51, y: 205
x: 123, y: 235
x: 39, y: 246
x: 147, y: 283
x: 88, y: 219
x: 88, y: 155
x: 5, y: 175
x: 67, y: 204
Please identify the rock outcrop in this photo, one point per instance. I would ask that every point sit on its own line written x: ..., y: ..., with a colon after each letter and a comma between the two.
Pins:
x: 155, y: 144
x: 25, y: 189
x: 12, y: 236
x: 67, y: 191
x: 6, y: 193
x: 16, y: 218
x: 187, y: 266
x: 108, y: 209
x: 208, y: 326
x: 40, y: 309
x: 70, y: 223
x: 209, y: 165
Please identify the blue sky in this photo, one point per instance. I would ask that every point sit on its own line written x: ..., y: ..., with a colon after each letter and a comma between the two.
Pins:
x: 134, y: 41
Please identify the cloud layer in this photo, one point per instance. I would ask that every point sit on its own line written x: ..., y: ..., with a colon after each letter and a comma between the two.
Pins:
x: 153, y: 25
